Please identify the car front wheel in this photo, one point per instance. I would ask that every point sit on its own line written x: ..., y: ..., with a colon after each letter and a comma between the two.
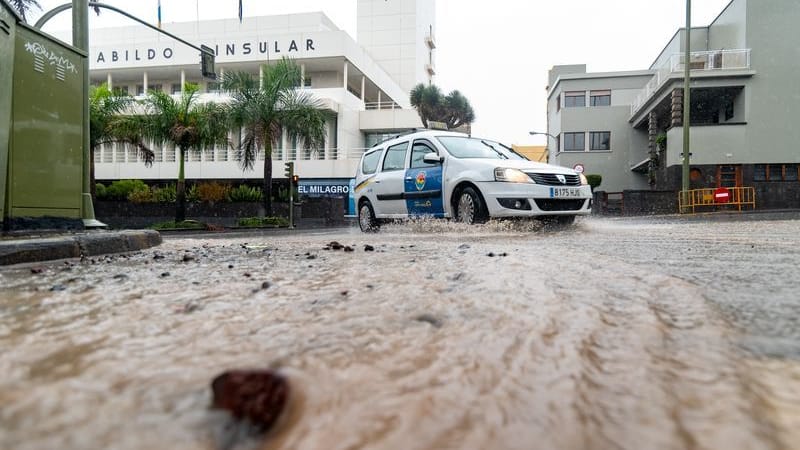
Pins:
x: 366, y: 218
x: 470, y: 208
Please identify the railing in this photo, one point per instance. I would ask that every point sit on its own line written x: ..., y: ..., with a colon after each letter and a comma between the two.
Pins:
x: 714, y: 60
x: 381, y: 105
x: 123, y: 154
x: 737, y: 196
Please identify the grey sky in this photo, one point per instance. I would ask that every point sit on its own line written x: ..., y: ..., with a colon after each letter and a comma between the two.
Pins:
x: 496, y: 52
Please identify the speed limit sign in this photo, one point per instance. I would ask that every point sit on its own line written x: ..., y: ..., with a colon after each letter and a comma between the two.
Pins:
x: 578, y: 168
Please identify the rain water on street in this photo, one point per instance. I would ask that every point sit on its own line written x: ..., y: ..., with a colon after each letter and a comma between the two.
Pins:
x: 613, y: 334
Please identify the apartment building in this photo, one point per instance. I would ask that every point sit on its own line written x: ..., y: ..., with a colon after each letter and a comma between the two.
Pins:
x: 744, y: 110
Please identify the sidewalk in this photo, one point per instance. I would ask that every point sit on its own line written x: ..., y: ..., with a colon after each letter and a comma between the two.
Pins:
x: 17, y: 249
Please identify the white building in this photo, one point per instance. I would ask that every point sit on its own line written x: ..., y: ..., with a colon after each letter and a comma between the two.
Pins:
x: 365, y: 83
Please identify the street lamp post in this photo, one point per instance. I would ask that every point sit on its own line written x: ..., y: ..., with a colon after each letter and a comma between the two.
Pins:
x: 534, y: 133
x: 686, y: 103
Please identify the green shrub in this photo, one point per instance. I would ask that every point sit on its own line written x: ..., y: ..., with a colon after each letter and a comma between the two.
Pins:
x: 172, y: 225
x: 594, y: 180
x: 165, y: 194
x: 120, y: 190
x: 141, y: 196
x: 263, y: 222
x: 212, y: 191
x: 100, y: 191
x: 191, y: 194
x: 245, y: 193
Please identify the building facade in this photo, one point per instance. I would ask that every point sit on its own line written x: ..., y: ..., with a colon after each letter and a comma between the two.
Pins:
x: 361, y: 83
x: 627, y: 126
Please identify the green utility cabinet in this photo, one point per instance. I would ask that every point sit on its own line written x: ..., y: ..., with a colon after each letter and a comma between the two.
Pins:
x: 41, y: 123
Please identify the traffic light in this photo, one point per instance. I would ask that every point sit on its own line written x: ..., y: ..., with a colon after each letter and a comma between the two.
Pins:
x: 207, y: 62
x: 295, y: 179
x: 289, y: 170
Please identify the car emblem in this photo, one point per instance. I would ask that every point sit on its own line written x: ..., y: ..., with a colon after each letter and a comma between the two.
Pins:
x: 420, y: 181
x: 561, y: 179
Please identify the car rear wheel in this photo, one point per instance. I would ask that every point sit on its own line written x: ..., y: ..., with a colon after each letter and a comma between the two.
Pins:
x: 470, y: 208
x: 366, y: 218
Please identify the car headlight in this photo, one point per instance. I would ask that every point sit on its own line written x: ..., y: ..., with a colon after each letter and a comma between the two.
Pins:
x: 584, y: 181
x: 511, y: 176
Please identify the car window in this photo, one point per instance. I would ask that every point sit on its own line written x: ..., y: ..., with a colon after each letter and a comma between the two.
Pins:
x: 466, y: 147
x: 395, y: 157
x: 370, y: 163
x: 418, y: 151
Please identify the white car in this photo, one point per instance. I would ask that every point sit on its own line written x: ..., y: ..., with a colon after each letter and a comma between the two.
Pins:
x: 453, y: 175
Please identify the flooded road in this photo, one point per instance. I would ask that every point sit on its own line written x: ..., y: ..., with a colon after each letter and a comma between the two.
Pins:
x: 614, y: 334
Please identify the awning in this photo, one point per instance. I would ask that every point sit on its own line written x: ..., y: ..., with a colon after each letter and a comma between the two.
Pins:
x: 641, y: 166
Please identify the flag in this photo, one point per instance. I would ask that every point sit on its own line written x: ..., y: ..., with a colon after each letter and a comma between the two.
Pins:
x: 240, y: 11
x: 159, y: 13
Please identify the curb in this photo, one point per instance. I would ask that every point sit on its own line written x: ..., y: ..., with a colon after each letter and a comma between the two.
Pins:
x: 26, y: 250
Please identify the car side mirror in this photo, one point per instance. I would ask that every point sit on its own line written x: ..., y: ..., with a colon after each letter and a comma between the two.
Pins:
x: 432, y: 158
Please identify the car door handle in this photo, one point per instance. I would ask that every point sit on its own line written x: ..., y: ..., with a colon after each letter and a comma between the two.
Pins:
x: 409, y: 178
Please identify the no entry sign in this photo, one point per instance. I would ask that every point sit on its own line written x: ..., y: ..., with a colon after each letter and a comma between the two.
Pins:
x: 722, y: 195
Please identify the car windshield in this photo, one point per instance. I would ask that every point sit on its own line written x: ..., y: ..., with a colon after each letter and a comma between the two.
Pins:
x: 466, y: 147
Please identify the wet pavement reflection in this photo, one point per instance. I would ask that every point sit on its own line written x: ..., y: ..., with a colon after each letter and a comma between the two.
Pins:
x: 618, y: 334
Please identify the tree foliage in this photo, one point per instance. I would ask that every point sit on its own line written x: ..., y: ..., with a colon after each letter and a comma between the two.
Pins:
x: 453, y: 109
x: 25, y: 6
x: 185, y: 123
x: 265, y: 109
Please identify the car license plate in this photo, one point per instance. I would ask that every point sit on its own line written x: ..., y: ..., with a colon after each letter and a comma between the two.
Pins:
x: 563, y: 192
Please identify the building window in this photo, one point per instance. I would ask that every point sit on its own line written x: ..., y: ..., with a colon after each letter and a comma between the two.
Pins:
x: 760, y: 172
x: 775, y: 172
x: 790, y: 172
x: 307, y: 82
x: 139, y: 89
x: 155, y: 87
x: 558, y: 102
x: 120, y: 90
x: 574, y: 99
x: 175, y: 88
x: 600, y: 98
x: 600, y: 140
x: 574, y: 142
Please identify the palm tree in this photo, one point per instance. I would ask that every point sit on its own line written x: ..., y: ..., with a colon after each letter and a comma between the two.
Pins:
x: 453, y: 109
x: 185, y: 123
x: 108, y: 124
x: 24, y: 6
x: 264, y: 110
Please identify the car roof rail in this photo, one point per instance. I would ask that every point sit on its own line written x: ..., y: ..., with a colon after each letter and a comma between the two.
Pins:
x: 405, y: 133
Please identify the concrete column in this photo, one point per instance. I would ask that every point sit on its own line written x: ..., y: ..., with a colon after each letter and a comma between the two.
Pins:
x: 363, y: 83
x: 302, y: 76
x: 109, y: 81
x: 144, y: 83
x: 183, y: 80
x: 345, y: 75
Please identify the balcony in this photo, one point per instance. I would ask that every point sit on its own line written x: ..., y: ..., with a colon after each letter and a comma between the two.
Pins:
x: 706, y: 62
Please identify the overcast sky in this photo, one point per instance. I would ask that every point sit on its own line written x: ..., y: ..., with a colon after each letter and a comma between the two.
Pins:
x: 496, y: 52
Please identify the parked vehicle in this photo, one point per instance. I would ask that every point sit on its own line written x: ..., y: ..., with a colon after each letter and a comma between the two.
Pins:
x: 453, y: 175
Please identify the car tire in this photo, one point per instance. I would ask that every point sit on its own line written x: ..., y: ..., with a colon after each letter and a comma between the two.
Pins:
x: 565, y: 220
x: 469, y: 207
x: 366, y: 218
